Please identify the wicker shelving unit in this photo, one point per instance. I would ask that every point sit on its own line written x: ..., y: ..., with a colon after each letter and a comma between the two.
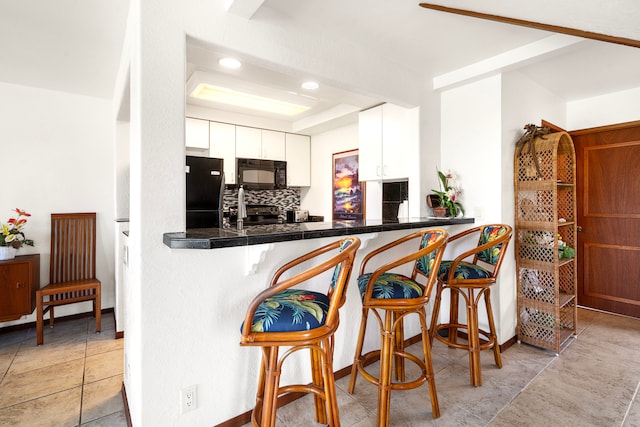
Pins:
x: 545, y: 216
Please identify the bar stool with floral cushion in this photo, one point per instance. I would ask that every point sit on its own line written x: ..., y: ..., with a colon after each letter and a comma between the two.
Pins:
x: 477, y: 274
x: 300, y: 319
x: 391, y: 297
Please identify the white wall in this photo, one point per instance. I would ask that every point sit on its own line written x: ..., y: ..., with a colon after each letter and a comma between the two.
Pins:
x: 58, y: 157
x: 518, y: 110
x: 178, y: 298
x: 613, y: 108
x: 318, y: 198
x: 471, y: 147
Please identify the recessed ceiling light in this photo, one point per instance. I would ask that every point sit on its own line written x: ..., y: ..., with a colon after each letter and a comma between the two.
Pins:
x: 242, y: 99
x: 310, y: 85
x: 230, y: 63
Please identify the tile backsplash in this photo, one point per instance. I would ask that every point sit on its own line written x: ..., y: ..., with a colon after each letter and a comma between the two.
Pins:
x: 286, y: 199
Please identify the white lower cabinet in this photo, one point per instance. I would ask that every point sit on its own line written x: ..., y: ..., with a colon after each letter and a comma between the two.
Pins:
x: 298, y: 157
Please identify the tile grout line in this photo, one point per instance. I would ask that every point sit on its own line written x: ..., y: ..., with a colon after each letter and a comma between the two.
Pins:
x: 633, y: 398
x: 524, y: 388
x: 13, y: 359
x: 84, y: 369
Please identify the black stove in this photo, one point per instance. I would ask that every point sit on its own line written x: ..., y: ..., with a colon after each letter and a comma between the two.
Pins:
x: 257, y: 215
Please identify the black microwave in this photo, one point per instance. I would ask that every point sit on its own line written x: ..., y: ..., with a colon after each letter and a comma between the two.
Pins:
x: 258, y: 174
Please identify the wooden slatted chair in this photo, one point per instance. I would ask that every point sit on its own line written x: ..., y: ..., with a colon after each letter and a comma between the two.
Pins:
x: 300, y: 319
x: 391, y: 297
x: 472, y: 271
x: 72, y: 271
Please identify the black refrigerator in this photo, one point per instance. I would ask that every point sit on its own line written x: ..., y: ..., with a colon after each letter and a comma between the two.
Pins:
x: 205, y: 190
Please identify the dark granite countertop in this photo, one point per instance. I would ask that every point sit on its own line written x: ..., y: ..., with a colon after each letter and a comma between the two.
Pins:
x: 213, y: 238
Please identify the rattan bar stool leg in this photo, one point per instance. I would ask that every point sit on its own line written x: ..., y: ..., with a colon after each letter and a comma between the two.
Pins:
x: 435, y: 313
x: 333, y: 417
x: 473, y: 339
x: 453, y: 314
x: 384, y: 378
x: 317, y: 372
x: 426, y: 350
x: 399, y: 346
x: 492, y: 329
x: 272, y: 381
x: 357, y: 360
x: 257, y: 410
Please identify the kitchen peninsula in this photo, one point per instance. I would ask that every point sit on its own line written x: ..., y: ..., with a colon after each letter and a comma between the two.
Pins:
x: 218, y: 271
x: 212, y: 238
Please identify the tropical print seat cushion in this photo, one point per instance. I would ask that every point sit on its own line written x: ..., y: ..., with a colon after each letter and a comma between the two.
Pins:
x: 391, y: 286
x: 464, y: 270
x: 291, y: 310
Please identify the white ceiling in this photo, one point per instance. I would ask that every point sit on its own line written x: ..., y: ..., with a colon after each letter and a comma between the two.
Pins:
x: 74, y: 45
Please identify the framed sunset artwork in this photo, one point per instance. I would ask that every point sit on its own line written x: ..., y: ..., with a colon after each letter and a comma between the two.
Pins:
x: 348, y: 191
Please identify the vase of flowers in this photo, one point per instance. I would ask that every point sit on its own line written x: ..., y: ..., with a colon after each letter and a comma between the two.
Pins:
x: 12, y: 235
x: 447, y: 196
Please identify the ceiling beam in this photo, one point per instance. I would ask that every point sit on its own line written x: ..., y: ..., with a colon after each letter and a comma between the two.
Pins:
x: 536, y: 25
x: 244, y: 8
x: 506, y: 60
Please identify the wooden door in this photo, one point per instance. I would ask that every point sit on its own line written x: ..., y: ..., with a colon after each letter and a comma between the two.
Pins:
x: 608, y: 194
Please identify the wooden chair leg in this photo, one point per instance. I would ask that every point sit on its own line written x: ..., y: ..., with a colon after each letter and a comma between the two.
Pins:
x: 358, y: 355
x: 492, y: 329
x: 384, y: 378
x: 97, y: 309
x: 426, y: 350
x: 51, y: 316
x: 39, y: 320
x: 474, y: 340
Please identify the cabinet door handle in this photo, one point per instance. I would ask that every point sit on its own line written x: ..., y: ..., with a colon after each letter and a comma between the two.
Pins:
x: 378, y: 171
x: 20, y: 285
x: 578, y: 228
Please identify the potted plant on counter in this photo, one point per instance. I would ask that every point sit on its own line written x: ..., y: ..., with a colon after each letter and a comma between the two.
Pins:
x: 445, y: 201
x: 12, y: 235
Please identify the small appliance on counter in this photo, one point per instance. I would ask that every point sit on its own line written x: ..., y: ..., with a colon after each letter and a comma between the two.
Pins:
x: 205, y: 188
x: 297, y: 215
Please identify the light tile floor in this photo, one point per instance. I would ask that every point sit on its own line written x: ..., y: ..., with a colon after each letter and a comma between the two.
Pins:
x: 594, y: 382
x: 74, y: 379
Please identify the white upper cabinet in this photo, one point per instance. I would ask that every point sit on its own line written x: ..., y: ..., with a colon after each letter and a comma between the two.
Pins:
x: 248, y: 142
x: 397, y: 131
x: 298, y: 156
x: 254, y: 143
x: 196, y: 133
x: 388, y: 140
x: 273, y: 145
x: 370, y: 141
x: 222, y: 145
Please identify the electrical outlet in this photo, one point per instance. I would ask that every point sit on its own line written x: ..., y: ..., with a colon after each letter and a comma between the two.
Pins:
x: 188, y: 401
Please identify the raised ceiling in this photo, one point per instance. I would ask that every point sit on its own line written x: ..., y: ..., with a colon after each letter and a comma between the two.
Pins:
x: 75, y: 46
